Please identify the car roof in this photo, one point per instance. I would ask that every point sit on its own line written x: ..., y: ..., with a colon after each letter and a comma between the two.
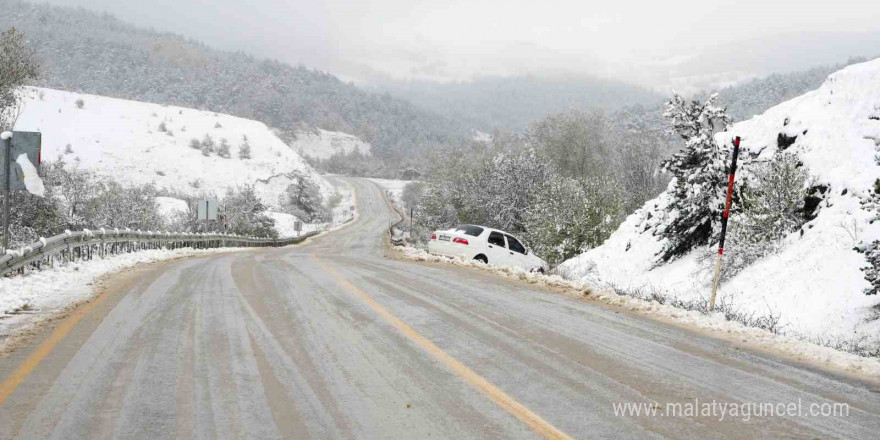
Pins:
x: 485, y: 228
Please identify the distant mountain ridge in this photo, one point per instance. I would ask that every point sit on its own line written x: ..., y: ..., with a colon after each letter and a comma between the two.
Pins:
x: 96, y: 53
x: 511, y: 103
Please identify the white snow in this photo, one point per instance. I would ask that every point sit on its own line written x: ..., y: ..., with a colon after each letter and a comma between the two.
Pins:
x: 321, y: 144
x: 814, y: 282
x: 394, y: 188
x: 32, y: 181
x: 123, y: 139
x: 285, y: 224
x: 170, y: 207
x: 49, y: 291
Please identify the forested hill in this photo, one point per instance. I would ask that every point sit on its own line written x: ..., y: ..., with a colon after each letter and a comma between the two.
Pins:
x: 99, y: 54
x: 511, y: 103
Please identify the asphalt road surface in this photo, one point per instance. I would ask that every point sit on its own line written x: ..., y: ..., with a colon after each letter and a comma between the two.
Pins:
x: 330, y: 339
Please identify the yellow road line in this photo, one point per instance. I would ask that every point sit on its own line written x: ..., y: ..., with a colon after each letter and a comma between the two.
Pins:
x: 518, y: 410
x: 9, y: 384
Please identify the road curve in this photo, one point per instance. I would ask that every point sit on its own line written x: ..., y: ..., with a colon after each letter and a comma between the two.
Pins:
x: 332, y: 340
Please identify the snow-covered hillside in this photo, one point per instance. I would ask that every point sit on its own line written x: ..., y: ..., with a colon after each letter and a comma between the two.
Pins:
x: 322, y: 144
x: 144, y: 143
x: 814, y: 282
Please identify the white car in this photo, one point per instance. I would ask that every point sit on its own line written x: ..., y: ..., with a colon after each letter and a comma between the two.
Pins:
x: 488, y: 245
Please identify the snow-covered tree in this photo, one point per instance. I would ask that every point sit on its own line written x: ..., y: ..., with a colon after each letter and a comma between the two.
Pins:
x: 872, y: 270
x: 244, y: 150
x: 412, y: 194
x: 872, y: 250
x: 223, y: 150
x: 303, y: 199
x: 76, y: 199
x: 570, y: 216
x: 18, y: 65
x: 118, y: 206
x: 208, y: 145
x: 697, y: 191
x: 195, y: 144
x: 772, y: 198
x: 771, y: 207
x: 247, y: 214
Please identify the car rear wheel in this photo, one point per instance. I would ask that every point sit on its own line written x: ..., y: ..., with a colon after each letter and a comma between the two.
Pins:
x: 482, y: 258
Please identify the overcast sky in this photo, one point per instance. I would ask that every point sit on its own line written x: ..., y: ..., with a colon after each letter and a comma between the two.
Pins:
x: 460, y: 39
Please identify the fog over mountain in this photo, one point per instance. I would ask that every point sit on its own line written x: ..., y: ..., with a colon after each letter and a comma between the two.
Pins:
x: 682, y: 43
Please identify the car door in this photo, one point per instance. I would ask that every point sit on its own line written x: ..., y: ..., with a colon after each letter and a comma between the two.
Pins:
x: 517, y: 253
x: 496, y: 249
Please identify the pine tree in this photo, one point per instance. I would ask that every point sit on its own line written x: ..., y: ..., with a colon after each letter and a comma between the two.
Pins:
x: 223, y: 151
x: 697, y: 191
x: 207, y: 145
x: 303, y: 199
x: 872, y: 250
x: 244, y: 150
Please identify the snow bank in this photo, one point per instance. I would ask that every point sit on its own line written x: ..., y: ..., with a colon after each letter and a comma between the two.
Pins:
x: 26, y: 299
x: 285, y: 224
x: 394, y: 189
x: 142, y: 143
x: 169, y: 207
x: 322, y: 144
x: 814, y: 282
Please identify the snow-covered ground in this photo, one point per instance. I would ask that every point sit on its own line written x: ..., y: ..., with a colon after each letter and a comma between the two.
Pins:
x: 814, y: 282
x: 394, y: 188
x: 285, y: 224
x: 143, y: 143
x: 26, y: 299
x: 170, y: 207
x: 321, y: 144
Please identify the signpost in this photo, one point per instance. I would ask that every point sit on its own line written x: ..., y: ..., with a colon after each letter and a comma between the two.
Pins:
x: 11, y: 174
x: 208, y: 209
x: 724, y: 217
x: 298, y: 227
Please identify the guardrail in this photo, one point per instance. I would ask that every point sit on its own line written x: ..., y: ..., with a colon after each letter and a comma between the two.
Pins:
x: 86, y: 245
x: 394, y: 238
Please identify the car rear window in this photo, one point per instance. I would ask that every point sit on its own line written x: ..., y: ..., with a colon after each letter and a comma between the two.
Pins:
x: 471, y: 230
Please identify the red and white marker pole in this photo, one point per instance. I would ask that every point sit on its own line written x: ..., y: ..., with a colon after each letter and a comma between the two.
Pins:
x: 724, y: 218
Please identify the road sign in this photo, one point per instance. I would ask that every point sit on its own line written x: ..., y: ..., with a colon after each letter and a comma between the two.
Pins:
x: 298, y: 227
x: 208, y: 209
x: 22, y: 142
x: 12, y: 175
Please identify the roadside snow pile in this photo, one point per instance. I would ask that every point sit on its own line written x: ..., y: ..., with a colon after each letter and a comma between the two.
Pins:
x: 24, y: 299
x: 715, y: 325
x: 175, y: 148
x: 321, y: 144
x: 394, y: 188
x: 285, y: 224
x: 814, y: 281
x: 170, y: 208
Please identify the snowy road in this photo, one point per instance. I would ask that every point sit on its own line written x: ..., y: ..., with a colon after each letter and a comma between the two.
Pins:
x: 331, y: 340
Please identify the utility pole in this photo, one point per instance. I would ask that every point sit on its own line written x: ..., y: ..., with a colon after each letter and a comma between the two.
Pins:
x: 724, y: 218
